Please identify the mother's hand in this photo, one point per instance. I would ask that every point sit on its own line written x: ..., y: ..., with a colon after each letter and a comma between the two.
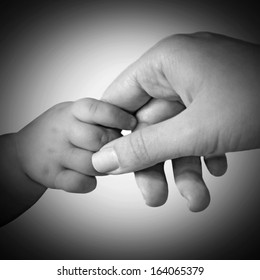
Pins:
x: 214, y: 80
x: 187, y: 171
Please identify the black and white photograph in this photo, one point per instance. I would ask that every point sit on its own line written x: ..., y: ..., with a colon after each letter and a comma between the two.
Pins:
x: 129, y: 130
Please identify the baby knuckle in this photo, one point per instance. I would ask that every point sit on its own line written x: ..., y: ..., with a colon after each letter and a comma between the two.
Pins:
x: 75, y: 106
x: 74, y: 133
x: 69, y: 156
x: 92, y: 106
x: 85, y: 104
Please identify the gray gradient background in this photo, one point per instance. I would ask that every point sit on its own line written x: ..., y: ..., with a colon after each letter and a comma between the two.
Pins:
x: 59, y: 51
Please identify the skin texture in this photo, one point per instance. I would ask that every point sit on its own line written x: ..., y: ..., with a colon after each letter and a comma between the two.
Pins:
x: 216, y: 81
x: 54, y: 151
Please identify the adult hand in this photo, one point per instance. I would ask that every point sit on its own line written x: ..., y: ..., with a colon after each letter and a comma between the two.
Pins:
x: 187, y: 171
x: 215, y: 79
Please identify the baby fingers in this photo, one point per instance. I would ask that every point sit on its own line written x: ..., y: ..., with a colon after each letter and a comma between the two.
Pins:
x: 71, y: 181
x: 98, y: 112
x: 79, y: 160
x: 91, y: 137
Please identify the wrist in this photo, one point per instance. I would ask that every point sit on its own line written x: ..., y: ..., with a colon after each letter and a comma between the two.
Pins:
x: 13, y: 156
x: 14, y: 139
x: 18, y: 191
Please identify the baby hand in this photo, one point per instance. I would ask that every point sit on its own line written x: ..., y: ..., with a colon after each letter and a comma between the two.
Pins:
x: 55, y: 149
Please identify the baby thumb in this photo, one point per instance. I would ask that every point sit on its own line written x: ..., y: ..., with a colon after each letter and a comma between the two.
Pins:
x: 176, y: 137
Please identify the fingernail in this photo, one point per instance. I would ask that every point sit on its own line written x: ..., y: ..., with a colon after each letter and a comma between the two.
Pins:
x: 105, y: 160
x: 133, y: 123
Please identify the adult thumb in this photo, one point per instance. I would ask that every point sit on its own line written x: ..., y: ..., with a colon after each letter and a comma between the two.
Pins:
x: 176, y: 137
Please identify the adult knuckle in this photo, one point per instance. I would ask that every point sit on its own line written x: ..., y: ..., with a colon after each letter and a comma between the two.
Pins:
x: 203, y: 34
x: 172, y: 40
x: 138, y: 146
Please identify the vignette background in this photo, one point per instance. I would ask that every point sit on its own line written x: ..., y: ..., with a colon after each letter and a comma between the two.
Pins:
x: 54, y: 51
